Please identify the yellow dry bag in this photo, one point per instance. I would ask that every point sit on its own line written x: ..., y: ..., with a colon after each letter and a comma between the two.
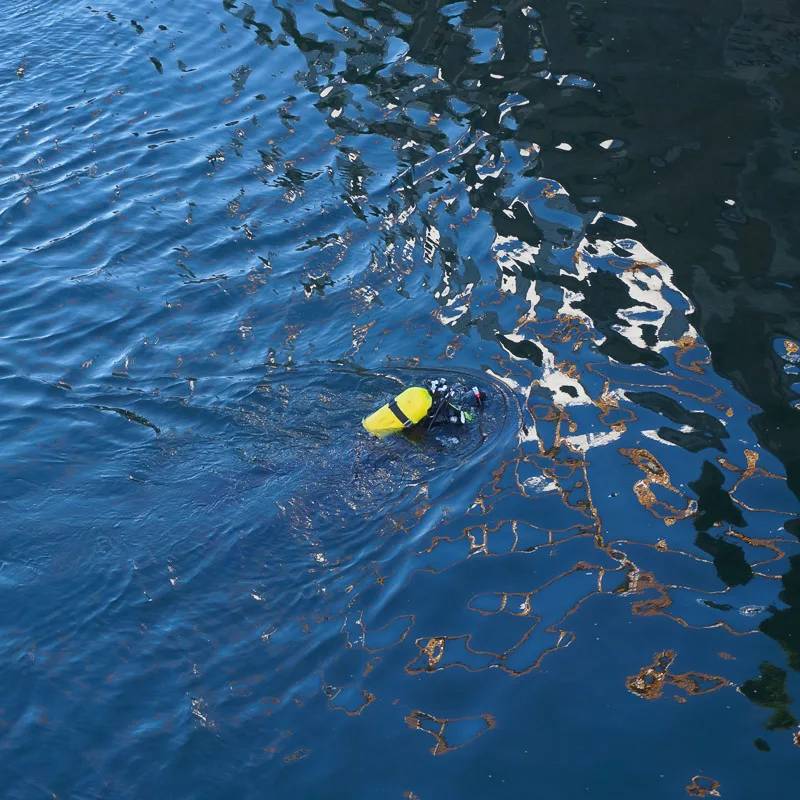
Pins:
x: 406, y: 410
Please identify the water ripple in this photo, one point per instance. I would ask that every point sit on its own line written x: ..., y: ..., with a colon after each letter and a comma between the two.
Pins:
x: 229, y: 233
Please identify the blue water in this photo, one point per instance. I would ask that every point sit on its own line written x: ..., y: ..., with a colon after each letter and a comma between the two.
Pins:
x: 229, y: 232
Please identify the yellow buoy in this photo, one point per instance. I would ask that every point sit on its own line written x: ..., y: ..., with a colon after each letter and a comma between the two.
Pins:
x: 406, y: 410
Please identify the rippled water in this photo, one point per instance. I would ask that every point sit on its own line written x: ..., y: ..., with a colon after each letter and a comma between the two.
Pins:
x: 229, y: 231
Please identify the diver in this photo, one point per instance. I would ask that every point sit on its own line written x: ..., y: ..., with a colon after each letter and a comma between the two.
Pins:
x: 422, y: 407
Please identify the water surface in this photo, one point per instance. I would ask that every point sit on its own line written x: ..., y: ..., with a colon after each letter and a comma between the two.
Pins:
x: 229, y: 231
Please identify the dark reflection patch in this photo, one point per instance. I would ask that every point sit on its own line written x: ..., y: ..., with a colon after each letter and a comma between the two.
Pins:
x: 731, y: 565
x: 784, y: 623
x: 708, y: 431
x: 769, y: 691
x: 714, y: 504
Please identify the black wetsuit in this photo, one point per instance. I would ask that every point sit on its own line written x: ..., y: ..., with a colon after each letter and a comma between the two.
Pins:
x: 454, y: 403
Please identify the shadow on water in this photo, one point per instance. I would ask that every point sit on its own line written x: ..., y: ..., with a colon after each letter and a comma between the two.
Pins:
x: 232, y: 232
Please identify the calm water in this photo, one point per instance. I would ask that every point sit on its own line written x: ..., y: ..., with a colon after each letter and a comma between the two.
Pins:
x: 229, y: 231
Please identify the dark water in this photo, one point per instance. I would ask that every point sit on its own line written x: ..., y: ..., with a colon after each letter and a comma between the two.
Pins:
x: 230, y: 230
